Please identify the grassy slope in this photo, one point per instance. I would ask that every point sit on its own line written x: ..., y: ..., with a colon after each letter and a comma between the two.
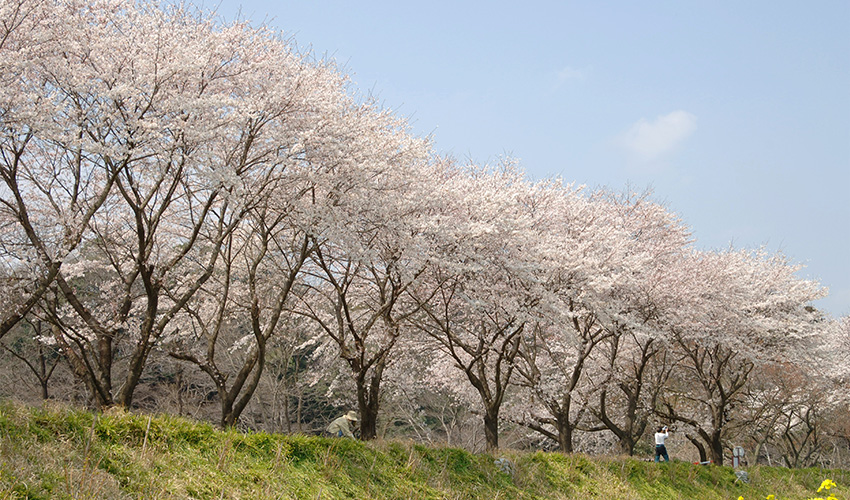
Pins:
x: 58, y: 452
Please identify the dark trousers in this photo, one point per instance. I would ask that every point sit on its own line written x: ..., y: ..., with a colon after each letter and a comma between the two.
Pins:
x: 661, y: 451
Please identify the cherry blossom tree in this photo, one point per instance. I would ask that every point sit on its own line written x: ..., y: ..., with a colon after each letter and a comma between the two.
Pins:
x: 636, y: 369
x: 739, y: 308
x: 637, y: 358
x: 485, y: 283
x: 241, y: 306
x: 347, y: 211
x: 373, y: 248
x: 184, y: 126
x: 602, y: 251
x: 798, y: 408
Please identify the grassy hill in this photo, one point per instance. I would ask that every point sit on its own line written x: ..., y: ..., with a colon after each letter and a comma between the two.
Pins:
x: 58, y: 452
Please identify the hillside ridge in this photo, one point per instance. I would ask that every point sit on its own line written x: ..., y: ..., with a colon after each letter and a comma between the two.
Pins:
x: 56, y: 451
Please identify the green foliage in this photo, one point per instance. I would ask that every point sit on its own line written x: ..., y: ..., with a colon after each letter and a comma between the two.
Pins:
x: 58, y: 452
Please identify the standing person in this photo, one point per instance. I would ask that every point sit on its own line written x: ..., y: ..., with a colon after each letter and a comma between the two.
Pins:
x: 340, y: 427
x: 660, y: 448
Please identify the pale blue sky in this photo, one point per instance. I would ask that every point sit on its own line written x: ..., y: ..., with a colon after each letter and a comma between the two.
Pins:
x: 736, y: 113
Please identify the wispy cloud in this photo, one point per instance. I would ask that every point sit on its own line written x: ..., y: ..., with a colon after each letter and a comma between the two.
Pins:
x: 649, y: 141
x: 569, y: 74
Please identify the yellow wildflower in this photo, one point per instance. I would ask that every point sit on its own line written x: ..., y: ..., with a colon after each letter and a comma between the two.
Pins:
x: 826, y: 484
x: 770, y: 497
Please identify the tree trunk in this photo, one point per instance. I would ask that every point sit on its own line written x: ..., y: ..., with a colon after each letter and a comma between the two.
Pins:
x: 563, y: 424
x: 368, y: 422
x: 700, y: 448
x: 491, y: 428
x: 627, y: 436
x: 99, y: 389
x: 565, y: 437
x: 716, y: 445
x: 180, y: 391
x: 299, y: 412
x: 757, y: 452
x: 626, y: 445
x: 227, y: 418
x: 148, y: 336
x: 245, y: 383
x: 286, y: 415
x: 368, y: 401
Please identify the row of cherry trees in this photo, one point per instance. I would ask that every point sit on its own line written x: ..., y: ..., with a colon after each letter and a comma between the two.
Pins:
x: 179, y: 185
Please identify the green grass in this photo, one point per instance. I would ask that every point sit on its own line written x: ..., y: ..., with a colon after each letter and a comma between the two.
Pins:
x: 57, y: 452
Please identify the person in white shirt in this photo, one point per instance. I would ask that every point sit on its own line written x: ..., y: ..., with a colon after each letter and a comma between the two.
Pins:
x: 660, y: 448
